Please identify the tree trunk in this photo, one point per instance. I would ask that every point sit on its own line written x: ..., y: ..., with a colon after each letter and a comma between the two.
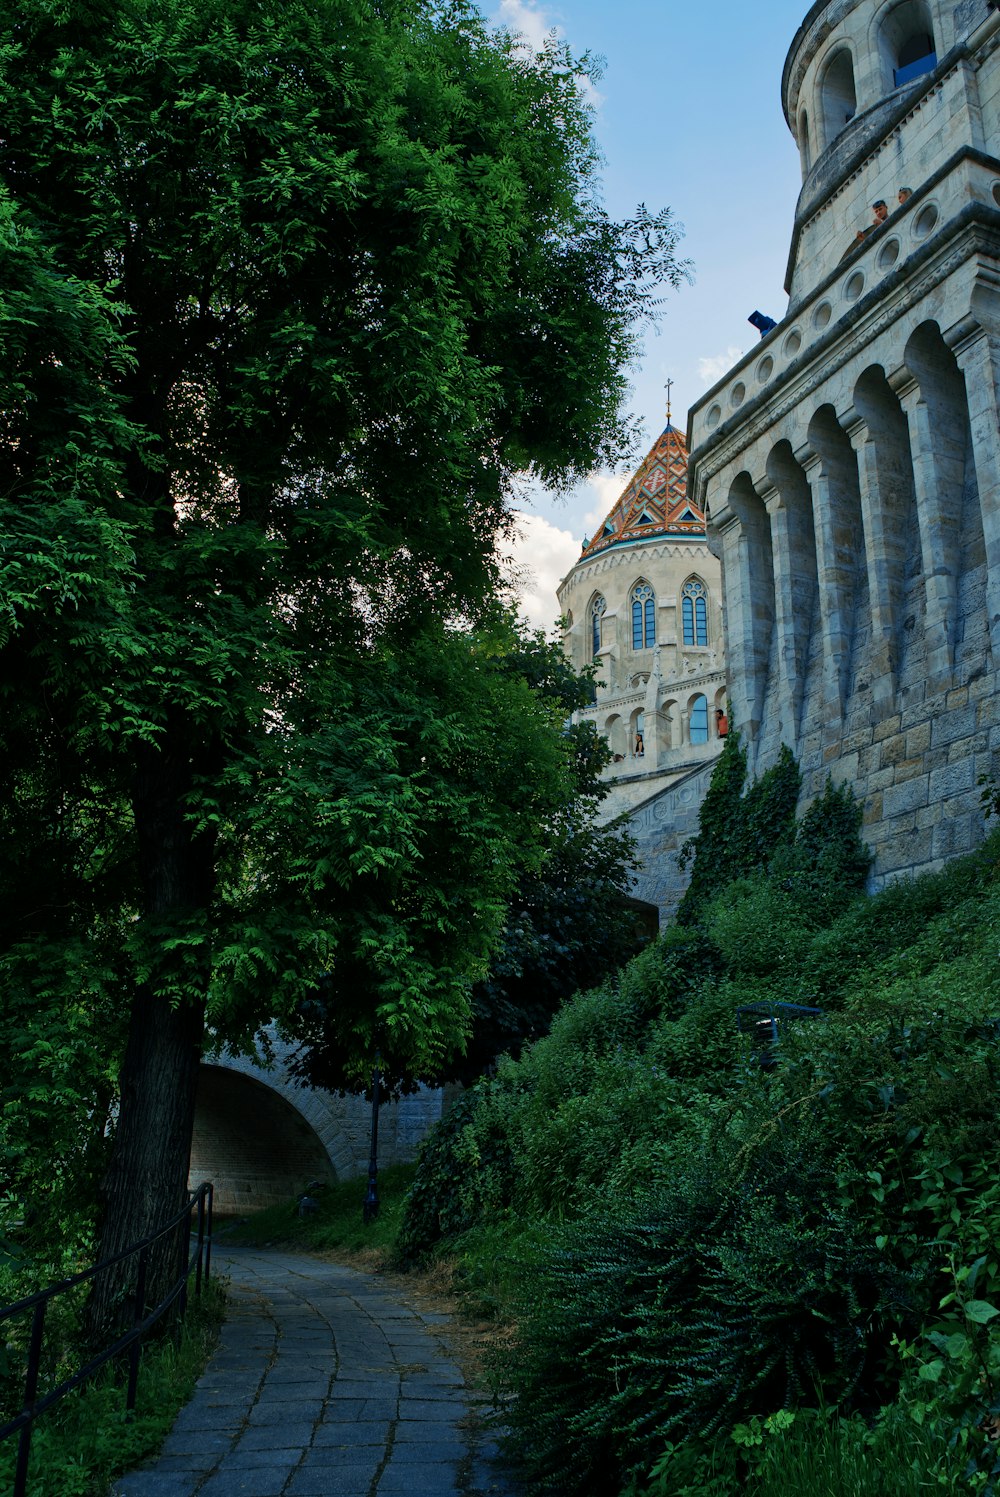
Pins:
x: 146, y: 1182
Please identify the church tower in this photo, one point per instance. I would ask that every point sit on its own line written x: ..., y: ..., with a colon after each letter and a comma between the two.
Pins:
x: 849, y: 467
x: 644, y: 603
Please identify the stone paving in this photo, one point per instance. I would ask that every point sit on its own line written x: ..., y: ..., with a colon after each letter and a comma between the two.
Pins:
x: 324, y: 1385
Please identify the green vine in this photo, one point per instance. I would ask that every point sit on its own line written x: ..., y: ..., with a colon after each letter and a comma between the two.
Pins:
x: 744, y: 830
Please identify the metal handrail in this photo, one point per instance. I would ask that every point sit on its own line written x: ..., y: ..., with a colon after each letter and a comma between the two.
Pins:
x: 199, y: 1261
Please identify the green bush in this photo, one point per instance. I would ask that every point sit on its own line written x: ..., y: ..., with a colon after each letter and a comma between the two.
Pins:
x: 435, y: 1207
x: 790, y: 1454
x: 706, y: 1241
x: 735, y: 1288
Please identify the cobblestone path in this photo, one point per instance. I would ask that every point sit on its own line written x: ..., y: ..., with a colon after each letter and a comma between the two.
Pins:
x: 323, y: 1385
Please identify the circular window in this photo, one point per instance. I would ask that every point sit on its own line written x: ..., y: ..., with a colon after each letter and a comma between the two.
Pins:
x: 888, y: 254
x: 792, y: 343
x: 855, y: 286
x: 925, y: 221
x: 714, y: 415
x: 996, y: 193
x: 738, y: 394
x: 822, y: 314
x: 765, y: 369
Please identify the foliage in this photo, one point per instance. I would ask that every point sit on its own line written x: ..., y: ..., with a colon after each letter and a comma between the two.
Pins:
x: 738, y: 1284
x: 434, y: 1205
x: 88, y: 1438
x: 58, y: 1061
x: 703, y: 1242
x: 744, y: 831
x: 802, y: 1451
x: 566, y: 917
x: 337, y: 1225
x: 294, y: 294
x: 710, y: 852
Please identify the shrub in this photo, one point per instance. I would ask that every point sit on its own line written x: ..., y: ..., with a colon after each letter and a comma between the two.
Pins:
x: 434, y: 1208
x: 740, y: 1284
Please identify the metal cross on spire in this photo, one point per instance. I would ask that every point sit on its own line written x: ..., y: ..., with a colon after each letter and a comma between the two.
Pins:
x: 669, y: 386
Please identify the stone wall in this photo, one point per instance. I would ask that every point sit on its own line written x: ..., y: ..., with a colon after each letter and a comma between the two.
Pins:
x: 661, y: 825
x: 850, y: 466
x: 261, y: 1138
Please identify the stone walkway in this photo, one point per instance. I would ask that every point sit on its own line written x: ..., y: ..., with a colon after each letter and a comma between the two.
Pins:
x: 323, y: 1385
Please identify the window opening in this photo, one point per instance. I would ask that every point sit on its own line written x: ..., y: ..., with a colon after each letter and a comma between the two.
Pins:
x: 839, y: 97
x: 597, y: 609
x: 694, y: 613
x: 640, y: 731
x: 917, y: 55
x: 643, y: 617
x: 698, y: 723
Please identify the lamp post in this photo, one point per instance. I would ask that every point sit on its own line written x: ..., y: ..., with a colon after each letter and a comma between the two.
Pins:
x: 369, y: 1210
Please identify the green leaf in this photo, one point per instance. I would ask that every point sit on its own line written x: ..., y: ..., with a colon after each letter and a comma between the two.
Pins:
x: 980, y: 1311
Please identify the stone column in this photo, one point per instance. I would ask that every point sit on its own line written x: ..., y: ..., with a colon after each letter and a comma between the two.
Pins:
x: 884, y: 552
x: 833, y: 571
x: 935, y: 483
x: 978, y: 357
x: 789, y: 669
x: 654, y: 744
x: 747, y: 693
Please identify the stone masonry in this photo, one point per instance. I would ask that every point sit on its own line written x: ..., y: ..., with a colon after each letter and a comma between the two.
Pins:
x: 262, y: 1138
x: 849, y: 467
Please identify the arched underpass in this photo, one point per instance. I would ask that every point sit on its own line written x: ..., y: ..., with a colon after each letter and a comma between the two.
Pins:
x: 252, y: 1143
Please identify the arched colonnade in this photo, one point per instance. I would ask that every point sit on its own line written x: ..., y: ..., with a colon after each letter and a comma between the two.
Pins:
x: 860, y: 534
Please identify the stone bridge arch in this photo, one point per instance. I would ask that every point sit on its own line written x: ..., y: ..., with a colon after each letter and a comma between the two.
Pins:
x: 261, y: 1138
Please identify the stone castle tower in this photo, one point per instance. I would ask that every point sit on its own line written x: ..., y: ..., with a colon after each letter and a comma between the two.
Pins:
x: 849, y: 467
x: 644, y: 603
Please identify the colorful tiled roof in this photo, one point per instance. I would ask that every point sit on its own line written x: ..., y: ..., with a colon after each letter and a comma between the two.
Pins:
x: 655, y: 503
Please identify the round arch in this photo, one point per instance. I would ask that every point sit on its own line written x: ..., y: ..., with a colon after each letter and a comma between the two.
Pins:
x: 255, y: 1123
x: 252, y: 1143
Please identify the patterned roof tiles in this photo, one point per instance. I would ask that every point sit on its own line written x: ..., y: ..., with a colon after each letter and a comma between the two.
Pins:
x: 655, y: 503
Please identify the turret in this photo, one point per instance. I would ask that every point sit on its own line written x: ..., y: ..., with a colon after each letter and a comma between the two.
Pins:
x: 859, y: 75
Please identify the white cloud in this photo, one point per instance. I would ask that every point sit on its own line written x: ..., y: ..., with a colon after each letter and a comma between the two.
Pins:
x: 539, y: 559
x: 713, y: 368
x: 521, y: 18
x: 525, y: 19
x: 607, y: 489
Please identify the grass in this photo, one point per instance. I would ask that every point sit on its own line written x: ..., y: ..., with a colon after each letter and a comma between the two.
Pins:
x: 843, y: 1458
x: 337, y: 1226
x: 80, y: 1445
x: 818, y: 1455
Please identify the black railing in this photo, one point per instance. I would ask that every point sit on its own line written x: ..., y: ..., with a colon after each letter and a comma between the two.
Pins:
x: 196, y: 1259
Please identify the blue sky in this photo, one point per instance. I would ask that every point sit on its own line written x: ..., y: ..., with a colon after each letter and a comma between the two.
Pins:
x: 688, y: 115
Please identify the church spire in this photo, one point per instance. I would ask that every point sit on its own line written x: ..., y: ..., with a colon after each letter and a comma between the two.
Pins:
x: 655, y: 502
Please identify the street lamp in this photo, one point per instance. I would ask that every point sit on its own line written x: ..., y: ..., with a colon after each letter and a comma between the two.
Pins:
x: 369, y: 1210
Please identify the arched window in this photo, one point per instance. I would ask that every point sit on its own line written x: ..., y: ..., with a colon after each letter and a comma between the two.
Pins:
x: 643, y: 617
x: 917, y: 55
x: 615, y: 731
x: 694, y: 612
x: 907, y: 41
x: 698, y: 720
x: 597, y: 609
x: 838, y: 95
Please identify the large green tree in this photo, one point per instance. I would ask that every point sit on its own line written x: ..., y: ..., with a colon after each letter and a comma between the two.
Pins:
x: 316, y: 280
x: 567, y: 924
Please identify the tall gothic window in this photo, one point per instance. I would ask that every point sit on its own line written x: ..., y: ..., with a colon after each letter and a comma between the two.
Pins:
x: 643, y: 617
x: 698, y: 720
x: 597, y: 609
x: 694, y: 612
